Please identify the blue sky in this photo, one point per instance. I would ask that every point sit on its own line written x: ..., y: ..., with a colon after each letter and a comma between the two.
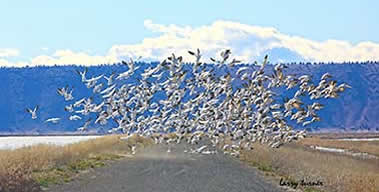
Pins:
x: 85, y: 29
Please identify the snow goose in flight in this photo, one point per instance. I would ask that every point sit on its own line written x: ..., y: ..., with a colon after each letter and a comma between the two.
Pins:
x: 108, y: 89
x: 79, y: 102
x: 134, y: 149
x: 326, y: 76
x: 74, y: 118
x: 69, y: 108
x: 130, y: 71
x: 102, y: 118
x: 33, y: 112
x: 317, y: 106
x: 85, y: 126
x: 94, y: 79
x: 83, y: 74
x: 342, y: 87
x: 90, y: 84
x: 201, y: 149
x: 65, y: 93
x: 307, y: 123
x: 54, y: 120
x: 198, y: 56
x: 97, y: 88
x: 110, y: 78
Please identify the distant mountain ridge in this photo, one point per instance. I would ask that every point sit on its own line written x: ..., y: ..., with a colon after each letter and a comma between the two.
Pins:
x: 356, y: 109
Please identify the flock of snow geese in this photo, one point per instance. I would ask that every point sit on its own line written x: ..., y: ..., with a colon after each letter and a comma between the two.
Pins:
x: 199, y: 103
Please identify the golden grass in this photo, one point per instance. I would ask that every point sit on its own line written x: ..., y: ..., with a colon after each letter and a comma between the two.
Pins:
x: 294, y: 162
x: 25, y: 169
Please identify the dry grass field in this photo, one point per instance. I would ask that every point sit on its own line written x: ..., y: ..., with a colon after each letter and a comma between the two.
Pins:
x: 296, y: 162
x: 29, y: 168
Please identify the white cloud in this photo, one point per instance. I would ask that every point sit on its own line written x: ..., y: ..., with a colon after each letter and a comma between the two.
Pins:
x: 67, y: 57
x: 247, y: 42
x: 9, y: 52
x: 62, y: 57
x: 5, y: 63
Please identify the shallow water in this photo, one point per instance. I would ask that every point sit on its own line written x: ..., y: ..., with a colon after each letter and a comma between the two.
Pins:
x: 14, y: 142
x: 359, y: 139
x: 345, y: 151
x: 329, y: 149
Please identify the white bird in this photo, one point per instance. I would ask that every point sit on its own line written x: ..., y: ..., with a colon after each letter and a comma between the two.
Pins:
x: 107, y: 90
x: 94, y: 79
x: 97, y: 88
x: 74, y: 118
x: 83, y: 74
x: 326, y: 76
x: 110, y: 94
x: 130, y: 71
x: 54, y: 120
x: 65, y: 93
x: 205, y: 102
x: 208, y: 152
x: 85, y: 126
x: 69, y: 108
x: 110, y: 79
x: 307, y: 123
x: 79, y: 102
x: 134, y: 149
x: 102, y: 119
x: 33, y: 112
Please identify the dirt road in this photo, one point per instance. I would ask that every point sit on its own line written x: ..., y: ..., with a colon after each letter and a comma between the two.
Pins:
x: 153, y: 169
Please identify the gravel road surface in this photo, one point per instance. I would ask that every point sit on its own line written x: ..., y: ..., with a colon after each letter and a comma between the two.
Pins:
x: 153, y: 169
